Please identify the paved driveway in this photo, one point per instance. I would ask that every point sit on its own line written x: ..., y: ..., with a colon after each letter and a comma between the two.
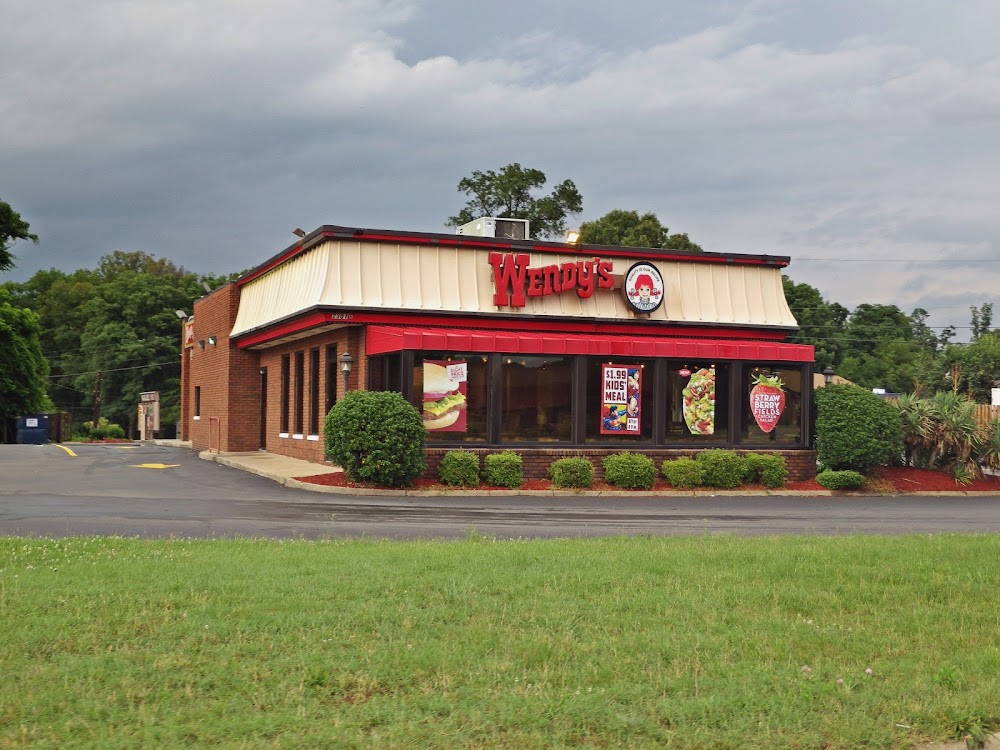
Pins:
x: 103, y: 490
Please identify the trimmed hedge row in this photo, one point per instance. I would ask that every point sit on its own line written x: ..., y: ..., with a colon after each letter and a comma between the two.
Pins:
x: 628, y: 470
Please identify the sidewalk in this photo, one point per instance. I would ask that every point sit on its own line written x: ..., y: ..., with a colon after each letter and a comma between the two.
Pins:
x: 284, y: 471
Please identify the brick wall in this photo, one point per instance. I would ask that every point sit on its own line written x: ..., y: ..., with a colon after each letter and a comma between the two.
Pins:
x: 800, y: 464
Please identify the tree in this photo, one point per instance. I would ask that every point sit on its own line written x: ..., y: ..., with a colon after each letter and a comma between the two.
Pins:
x: 509, y: 195
x: 12, y: 227
x: 982, y: 319
x: 821, y: 323
x: 24, y: 372
x: 630, y: 229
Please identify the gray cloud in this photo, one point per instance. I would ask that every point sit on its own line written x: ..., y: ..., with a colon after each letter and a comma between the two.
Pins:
x: 205, y: 132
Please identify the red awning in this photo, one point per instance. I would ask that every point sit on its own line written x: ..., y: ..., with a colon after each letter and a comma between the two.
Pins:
x: 383, y: 339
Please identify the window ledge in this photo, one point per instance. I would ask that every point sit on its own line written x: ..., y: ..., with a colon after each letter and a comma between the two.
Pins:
x: 314, y: 438
x: 283, y: 434
x: 296, y: 436
x: 196, y: 418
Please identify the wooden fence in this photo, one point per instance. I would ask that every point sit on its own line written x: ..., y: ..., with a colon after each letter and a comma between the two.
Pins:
x: 985, y: 413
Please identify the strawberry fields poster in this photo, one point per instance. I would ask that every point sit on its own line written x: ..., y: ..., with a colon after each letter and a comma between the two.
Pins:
x: 767, y: 400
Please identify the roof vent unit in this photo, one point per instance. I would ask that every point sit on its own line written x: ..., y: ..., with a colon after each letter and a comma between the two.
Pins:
x: 491, y: 226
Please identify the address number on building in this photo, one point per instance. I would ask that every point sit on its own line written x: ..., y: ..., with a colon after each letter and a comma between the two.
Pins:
x: 341, y: 316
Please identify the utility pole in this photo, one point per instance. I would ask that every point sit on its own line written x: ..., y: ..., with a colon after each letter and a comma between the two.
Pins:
x: 97, y: 401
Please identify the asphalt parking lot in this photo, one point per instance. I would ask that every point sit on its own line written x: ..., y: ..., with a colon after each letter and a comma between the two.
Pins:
x: 148, y: 490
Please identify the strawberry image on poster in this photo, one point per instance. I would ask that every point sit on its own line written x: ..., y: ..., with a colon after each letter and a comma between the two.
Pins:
x: 767, y: 401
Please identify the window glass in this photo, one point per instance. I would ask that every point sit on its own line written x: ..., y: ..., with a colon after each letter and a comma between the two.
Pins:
x: 469, y: 410
x: 697, y: 402
x: 647, y: 402
x: 536, y: 398
x: 785, y: 427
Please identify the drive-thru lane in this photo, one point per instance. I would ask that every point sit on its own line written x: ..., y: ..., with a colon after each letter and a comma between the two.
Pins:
x: 103, y: 490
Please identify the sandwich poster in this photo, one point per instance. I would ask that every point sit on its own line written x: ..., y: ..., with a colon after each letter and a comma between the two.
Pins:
x: 445, y: 386
x: 620, y: 409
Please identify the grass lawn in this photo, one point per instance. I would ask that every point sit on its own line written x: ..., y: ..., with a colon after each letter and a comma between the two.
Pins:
x: 708, y: 642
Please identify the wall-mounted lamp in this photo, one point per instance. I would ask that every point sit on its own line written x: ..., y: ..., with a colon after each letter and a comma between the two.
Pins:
x: 572, y: 237
x: 299, y: 232
x: 346, y: 363
x: 201, y: 344
x: 828, y: 374
x: 180, y: 314
x: 212, y: 340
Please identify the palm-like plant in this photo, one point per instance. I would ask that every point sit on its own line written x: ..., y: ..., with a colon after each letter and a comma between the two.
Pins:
x: 989, y: 445
x: 957, y: 433
x: 918, y: 417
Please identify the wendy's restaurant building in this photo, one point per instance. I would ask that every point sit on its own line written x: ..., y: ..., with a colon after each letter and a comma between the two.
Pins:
x: 549, y: 349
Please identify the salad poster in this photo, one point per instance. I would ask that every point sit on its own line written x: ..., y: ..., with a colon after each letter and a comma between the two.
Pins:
x: 620, y: 389
x: 699, y: 400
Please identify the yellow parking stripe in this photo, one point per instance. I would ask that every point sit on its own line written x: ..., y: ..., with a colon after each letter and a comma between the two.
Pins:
x: 65, y: 449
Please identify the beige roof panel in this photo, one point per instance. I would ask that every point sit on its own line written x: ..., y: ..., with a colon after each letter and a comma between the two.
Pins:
x: 377, y: 275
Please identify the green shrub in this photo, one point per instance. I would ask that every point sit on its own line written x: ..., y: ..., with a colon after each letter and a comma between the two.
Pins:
x: 116, y: 431
x: 840, y: 480
x: 630, y: 471
x: 459, y: 469
x: 377, y: 437
x: 767, y: 469
x: 503, y: 469
x: 855, y: 429
x: 722, y: 468
x: 684, y: 472
x: 572, y: 472
x: 98, y: 433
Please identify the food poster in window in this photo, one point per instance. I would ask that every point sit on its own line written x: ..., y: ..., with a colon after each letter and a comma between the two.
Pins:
x: 699, y: 400
x: 445, y: 388
x: 767, y: 400
x: 621, y: 386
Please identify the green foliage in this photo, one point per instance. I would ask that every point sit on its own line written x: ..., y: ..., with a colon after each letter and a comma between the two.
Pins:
x: 767, y: 469
x: 503, y: 469
x: 722, y: 468
x: 377, y: 437
x: 508, y: 194
x: 572, y: 472
x: 106, y: 431
x: 683, y: 473
x: 941, y: 432
x: 821, y: 323
x: 629, y: 229
x: 12, y: 227
x: 630, y: 471
x: 459, y: 469
x: 972, y: 368
x: 24, y: 372
x: 988, y: 450
x: 855, y: 429
x: 840, y: 480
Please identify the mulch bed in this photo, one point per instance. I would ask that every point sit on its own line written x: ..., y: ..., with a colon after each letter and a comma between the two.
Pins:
x: 885, y: 480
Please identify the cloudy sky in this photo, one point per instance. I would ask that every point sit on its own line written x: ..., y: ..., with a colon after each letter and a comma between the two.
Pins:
x: 859, y: 137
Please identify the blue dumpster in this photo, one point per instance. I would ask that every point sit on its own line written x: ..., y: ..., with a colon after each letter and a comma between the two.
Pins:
x: 33, y: 429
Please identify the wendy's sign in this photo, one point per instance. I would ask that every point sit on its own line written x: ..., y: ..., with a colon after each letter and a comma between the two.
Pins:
x: 514, y: 280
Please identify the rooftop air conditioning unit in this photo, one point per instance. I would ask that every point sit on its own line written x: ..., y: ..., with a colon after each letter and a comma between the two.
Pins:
x: 491, y: 226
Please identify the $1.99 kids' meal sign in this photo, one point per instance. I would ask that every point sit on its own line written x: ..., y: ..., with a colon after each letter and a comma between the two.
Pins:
x: 767, y: 401
x: 620, y: 389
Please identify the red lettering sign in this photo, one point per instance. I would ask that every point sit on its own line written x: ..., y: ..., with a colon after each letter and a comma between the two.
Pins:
x: 514, y: 281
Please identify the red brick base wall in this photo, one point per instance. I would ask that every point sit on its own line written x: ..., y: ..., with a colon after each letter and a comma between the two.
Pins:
x: 799, y: 464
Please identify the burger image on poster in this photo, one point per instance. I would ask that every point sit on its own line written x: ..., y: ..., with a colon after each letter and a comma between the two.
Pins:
x: 443, y: 402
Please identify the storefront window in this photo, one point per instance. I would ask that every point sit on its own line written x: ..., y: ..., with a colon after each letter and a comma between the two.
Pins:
x: 536, y: 399
x: 698, y: 402
x: 772, y: 405
x: 450, y: 391
x: 597, y: 414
